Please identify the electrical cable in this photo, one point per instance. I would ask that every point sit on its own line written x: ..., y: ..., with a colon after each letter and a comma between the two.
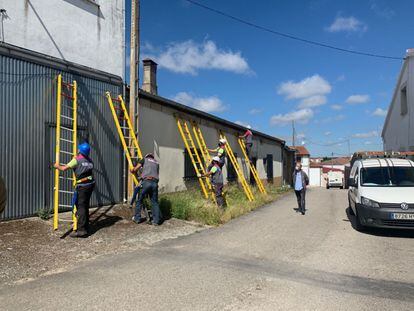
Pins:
x: 292, y: 37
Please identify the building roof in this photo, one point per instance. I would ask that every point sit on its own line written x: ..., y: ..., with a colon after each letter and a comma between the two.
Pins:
x: 183, y: 108
x: 337, y: 161
x: 301, y: 151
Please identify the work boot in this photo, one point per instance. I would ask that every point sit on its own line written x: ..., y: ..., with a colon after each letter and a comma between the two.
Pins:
x: 78, y: 234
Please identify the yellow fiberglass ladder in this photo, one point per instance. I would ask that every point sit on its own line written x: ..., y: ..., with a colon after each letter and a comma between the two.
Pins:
x: 66, y: 139
x: 205, y: 154
x: 251, y: 167
x: 125, y: 130
x: 199, y: 168
x: 245, y: 185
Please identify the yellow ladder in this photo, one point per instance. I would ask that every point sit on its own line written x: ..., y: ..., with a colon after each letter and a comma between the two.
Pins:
x: 66, y: 136
x: 201, y: 143
x: 125, y: 130
x: 205, y: 184
x: 251, y: 167
x: 245, y: 185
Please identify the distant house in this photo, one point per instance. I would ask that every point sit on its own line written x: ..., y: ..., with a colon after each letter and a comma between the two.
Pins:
x: 303, y: 155
x: 335, y: 164
x: 398, y: 130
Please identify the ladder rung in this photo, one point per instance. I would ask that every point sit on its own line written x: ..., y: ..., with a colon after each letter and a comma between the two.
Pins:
x: 64, y: 205
x: 116, y: 100
x: 67, y: 129
x: 65, y: 191
x: 66, y: 106
x: 67, y: 140
x: 66, y: 152
x: 67, y: 84
x: 66, y: 178
x: 124, y: 128
x: 67, y: 118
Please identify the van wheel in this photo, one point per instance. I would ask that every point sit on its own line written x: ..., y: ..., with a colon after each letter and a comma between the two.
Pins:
x: 351, y: 212
x: 358, y: 225
x: 327, y: 186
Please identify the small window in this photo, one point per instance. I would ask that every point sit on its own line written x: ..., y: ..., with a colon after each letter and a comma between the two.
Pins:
x: 403, y: 100
x: 231, y: 172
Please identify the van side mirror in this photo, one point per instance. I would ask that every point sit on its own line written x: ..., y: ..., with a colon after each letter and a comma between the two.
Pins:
x: 352, y: 182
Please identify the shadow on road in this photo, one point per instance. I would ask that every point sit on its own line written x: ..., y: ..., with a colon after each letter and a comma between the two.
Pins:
x: 380, y: 232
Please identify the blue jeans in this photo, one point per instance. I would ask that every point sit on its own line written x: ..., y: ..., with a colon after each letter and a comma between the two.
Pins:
x: 149, y: 187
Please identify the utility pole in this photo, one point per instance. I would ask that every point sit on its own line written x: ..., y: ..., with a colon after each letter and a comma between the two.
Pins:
x: 134, y: 73
x: 293, y: 133
x: 349, y: 147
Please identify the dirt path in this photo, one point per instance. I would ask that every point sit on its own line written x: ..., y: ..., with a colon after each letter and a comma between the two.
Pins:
x: 30, y: 248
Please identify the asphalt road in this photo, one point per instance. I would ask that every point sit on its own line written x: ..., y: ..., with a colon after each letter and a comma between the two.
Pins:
x: 271, y: 259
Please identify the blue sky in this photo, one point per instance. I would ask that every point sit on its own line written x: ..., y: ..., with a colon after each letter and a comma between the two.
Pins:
x: 245, y: 75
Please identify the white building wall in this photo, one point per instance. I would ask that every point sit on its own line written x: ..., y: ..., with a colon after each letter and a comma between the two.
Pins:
x: 305, y: 164
x: 86, y: 32
x: 398, y: 133
x: 158, y: 133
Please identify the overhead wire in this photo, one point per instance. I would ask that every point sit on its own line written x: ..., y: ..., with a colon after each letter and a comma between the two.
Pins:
x: 289, y: 36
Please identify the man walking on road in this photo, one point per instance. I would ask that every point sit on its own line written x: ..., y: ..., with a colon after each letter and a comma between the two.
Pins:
x: 300, y: 181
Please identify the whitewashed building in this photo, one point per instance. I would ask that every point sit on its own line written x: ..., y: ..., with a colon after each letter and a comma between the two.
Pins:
x: 398, y: 130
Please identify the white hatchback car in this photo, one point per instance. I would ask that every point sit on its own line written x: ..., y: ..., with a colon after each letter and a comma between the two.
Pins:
x: 381, y: 193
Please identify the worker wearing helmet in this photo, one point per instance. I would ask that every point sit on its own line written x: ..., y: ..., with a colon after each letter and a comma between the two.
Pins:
x: 248, y: 141
x: 220, y: 151
x: 150, y: 177
x: 82, y: 167
x: 215, y: 172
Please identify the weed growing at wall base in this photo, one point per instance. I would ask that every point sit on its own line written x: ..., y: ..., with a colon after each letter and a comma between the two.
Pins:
x: 190, y: 205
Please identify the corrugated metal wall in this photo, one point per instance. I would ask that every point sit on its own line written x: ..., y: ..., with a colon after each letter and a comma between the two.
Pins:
x: 27, y: 129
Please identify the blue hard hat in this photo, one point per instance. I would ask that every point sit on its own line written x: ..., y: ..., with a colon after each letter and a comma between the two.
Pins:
x: 84, y: 149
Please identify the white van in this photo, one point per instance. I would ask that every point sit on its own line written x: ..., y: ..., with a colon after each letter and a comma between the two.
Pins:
x: 335, y: 179
x: 381, y: 193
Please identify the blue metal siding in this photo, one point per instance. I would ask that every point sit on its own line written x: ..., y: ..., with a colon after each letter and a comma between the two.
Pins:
x: 27, y: 124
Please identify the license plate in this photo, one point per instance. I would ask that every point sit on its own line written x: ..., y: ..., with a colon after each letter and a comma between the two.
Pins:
x: 402, y: 216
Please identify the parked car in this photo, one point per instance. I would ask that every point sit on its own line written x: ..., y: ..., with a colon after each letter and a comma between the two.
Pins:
x: 381, y: 193
x: 335, y: 179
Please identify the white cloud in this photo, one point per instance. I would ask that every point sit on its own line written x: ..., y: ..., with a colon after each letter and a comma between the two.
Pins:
x: 255, y: 111
x: 357, y: 99
x: 242, y: 123
x: 381, y: 10
x: 348, y: 24
x: 368, y: 143
x: 308, y: 87
x: 327, y: 133
x: 189, y: 57
x: 340, y: 78
x: 206, y: 104
x: 301, y: 116
x: 336, y: 107
x: 313, y: 101
x: 380, y: 112
x: 300, y: 135
x: 366, y: 135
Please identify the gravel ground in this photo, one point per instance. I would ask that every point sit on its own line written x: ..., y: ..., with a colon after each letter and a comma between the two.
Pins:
x: 29, y: 248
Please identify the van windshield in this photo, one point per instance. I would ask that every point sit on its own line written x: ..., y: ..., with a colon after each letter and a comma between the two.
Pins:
x: 387, y: 176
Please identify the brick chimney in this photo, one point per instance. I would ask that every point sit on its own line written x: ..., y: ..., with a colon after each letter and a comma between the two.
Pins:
x: 149, y: 83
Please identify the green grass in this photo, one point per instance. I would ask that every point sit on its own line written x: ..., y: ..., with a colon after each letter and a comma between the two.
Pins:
x: 190, y: 205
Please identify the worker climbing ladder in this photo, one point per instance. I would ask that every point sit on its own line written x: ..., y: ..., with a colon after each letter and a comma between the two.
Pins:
x: 125, y: 130
x: 198, y: 165
x: 245, y: 185
x: 251, y: 167
x: 66, y: 138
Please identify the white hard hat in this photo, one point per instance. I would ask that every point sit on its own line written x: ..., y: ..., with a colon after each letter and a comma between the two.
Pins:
x: 222, y: 140
x: 216, y: 158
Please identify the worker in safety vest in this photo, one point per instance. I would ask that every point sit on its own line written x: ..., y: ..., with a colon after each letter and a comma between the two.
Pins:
x: 248, y: 140
x: 215, y: 172
x: 220, y: 151
x: 2, y: 195
x: 150, y: 177
x: 82, y: 166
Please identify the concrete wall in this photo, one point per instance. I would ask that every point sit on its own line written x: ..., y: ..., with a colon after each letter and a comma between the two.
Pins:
x: 79, y: 31
x: 398, y: 134
x: 158, y: 133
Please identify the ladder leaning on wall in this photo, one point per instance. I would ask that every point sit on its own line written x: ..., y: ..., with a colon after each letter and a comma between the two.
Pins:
x: 245, y: 185
x: 198, y: 165
x: 251, y: 167
x: 66, y: 138
x: 125, y: 131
